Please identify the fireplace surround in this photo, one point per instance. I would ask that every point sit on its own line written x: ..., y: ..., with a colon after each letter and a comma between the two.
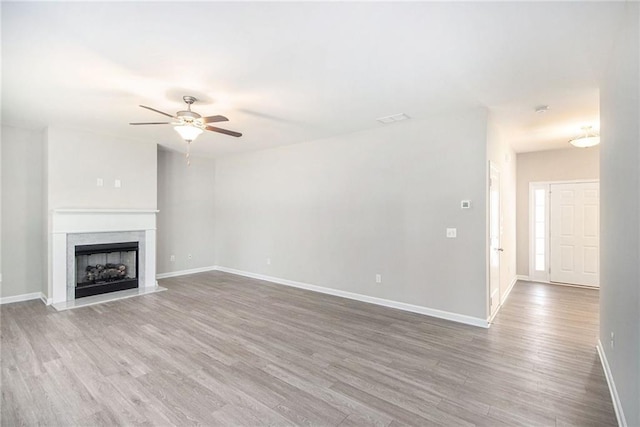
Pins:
x: 71, y: 229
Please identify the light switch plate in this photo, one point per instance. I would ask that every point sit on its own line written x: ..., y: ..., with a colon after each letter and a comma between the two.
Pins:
x: 452, y: 233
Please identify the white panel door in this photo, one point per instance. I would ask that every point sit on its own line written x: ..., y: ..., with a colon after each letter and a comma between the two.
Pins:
x: 574, y: 233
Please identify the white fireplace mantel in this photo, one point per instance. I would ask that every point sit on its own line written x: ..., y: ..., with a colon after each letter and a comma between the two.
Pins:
x: 93, y: 224
x: 97, y: 220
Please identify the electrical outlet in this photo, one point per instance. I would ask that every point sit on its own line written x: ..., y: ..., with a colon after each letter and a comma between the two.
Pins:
x: 99, y: 182
x: 172, y: 258
x: 117, y: 183
x: 268, y: 261
x: 190, y: 256
x: 452, y: 233
x: 378, y: 278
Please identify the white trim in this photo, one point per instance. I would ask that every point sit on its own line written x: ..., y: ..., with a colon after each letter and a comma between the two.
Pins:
x: 185, y: 272
x: 508, y: 292
x: 571, y: 285
x: 617, y: 405
x: 503, y: 299
x: 547, y: 282
x: 522, y: 277
x: 455, y: 317
x: 569, y: 181
x: 65, y: 221
x: 493, y: 167
x: 45, y: 300
x: 23, y: 297
x: 114, y: 211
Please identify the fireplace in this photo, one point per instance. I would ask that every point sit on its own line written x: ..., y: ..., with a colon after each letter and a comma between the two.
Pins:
x: 103, y: 268
x: 70, y: 228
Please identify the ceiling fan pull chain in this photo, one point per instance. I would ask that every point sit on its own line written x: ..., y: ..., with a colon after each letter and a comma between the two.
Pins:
x: 188, y: 155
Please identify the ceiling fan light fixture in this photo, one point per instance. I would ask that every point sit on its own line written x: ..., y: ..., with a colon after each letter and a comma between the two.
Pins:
x: 589, y: 139
x: 188, y: 132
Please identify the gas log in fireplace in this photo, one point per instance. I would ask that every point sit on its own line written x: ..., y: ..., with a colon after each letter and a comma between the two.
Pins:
x: 106, y: 268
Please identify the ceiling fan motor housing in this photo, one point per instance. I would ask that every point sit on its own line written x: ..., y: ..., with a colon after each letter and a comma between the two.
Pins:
x: 188, y: 114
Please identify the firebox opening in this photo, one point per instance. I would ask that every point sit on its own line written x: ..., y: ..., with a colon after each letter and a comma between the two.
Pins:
x: 106, y: 268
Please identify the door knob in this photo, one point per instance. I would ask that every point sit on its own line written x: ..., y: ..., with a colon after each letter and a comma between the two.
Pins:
x: 499, y: 249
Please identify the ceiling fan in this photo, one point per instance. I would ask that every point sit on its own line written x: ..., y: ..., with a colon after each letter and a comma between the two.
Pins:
x: 190, y: 124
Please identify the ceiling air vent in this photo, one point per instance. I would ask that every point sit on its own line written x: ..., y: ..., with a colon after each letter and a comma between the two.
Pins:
x: 392, y: 119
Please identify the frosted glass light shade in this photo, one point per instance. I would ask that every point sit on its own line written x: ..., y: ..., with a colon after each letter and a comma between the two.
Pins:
x: 585, y: 141
x: 188, y: 132
x: 589, y: 139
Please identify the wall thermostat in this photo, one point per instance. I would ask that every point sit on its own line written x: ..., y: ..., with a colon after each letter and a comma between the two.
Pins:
x: 465, y: 204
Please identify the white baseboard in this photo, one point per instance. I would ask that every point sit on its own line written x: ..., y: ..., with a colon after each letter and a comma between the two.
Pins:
x: 522, y: 277
x: 503, y: 299
x: 617, y: 405
x: 24, y: 297
x: 568, y: 285
x: 506, y: 294
x: 455, y: 317
x: 184, y: 272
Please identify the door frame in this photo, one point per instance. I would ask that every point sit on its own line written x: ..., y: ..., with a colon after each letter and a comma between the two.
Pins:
x: 543, y: 276
x: 494, y: 167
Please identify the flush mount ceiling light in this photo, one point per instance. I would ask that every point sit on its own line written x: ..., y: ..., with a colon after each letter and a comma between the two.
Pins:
x: 541, y: 109
x: 589, y: 139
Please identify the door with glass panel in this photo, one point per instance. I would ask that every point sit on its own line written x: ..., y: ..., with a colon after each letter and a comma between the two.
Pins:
x: 539, y: 248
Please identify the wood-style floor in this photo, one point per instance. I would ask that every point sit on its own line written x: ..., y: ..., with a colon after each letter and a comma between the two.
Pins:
x: 219, y: 349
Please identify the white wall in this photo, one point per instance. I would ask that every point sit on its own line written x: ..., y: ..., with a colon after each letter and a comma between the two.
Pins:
x: 336, y: 212
x: 620, y: 214
x: 502, y: 155
x: 554, y: 165
x: 22, y: 212
x: 186, y: 218
x: 77, y: 158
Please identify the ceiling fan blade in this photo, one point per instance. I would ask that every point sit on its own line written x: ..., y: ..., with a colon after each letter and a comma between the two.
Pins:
x: 225, y: 131
x: 152, y: 123
x: 213, y: 119
x: 158, y: 111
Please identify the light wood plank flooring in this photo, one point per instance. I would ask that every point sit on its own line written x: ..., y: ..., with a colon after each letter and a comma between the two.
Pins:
x: 219, y: 349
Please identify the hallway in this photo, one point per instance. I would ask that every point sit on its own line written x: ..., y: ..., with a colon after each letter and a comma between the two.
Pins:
x: 548, y: 334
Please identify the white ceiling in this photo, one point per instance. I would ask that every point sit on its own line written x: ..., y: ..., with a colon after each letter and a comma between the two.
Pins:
x: 292, y: 72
